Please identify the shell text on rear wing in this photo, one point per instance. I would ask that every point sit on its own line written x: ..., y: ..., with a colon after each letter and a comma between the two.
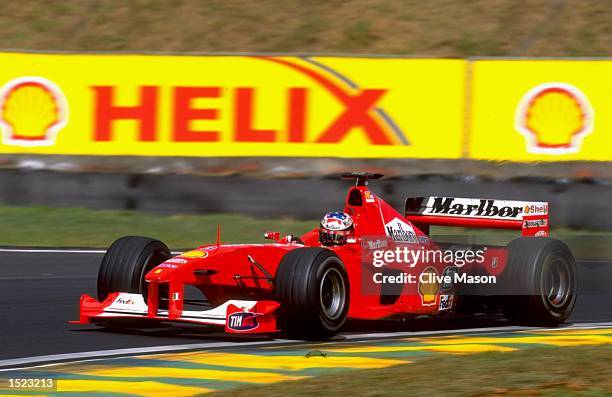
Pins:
x: 531, y: 217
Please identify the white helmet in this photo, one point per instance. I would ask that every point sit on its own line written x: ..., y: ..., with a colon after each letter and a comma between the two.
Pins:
x: 335, y: 228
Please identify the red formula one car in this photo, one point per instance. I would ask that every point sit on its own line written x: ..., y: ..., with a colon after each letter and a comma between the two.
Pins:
x: 367, y: 262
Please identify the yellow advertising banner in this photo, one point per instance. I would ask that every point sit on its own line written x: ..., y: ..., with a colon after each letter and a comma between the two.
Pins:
x: 148, y: 105
x: 541, y: 110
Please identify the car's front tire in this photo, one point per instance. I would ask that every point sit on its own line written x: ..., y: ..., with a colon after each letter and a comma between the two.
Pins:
x: 312, y: 286
x: 126, y: 263
x: 539, y: 281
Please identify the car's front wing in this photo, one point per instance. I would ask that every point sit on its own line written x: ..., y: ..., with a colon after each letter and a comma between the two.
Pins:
x: 236, y: 316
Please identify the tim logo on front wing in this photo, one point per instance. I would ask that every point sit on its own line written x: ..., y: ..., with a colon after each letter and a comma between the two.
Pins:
x: 554, y: 118
x: 242, y: 321
x: 32, y: 111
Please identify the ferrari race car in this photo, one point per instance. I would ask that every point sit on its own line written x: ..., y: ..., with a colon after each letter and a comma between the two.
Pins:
x: 386, y: 265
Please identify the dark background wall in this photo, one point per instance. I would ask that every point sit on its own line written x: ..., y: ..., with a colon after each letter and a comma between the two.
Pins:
x: 579, y: 204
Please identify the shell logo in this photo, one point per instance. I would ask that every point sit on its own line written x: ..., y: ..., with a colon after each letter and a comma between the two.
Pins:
x: 430, y: 288
x: 32, y: 111
x: 195, y: 254
x: 554, y: 118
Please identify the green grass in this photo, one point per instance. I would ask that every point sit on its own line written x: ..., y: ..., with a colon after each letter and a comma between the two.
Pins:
x: 436, y: 28
x: 545, y: 371
x: 78, y: 227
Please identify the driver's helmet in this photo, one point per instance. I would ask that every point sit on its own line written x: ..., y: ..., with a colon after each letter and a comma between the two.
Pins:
x: 335, y: 228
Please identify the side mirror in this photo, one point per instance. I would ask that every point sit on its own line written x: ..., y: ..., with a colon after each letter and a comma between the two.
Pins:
x: 272, y: 235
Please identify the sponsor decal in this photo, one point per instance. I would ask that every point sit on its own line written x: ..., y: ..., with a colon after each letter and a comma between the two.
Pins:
x: 446, y: 302
x: 448, y: 277
x: 369, y: 197
x: 195, y: 254
x: 535, y: 223
x: 374, y: 244
x: 177, y: 260
x: 168, y: 265
x: 469, y: 207
x: 429, y: 286
x: 536, y: 209
x: 423, y: 239
x: 157, y: 271
x: 554, y: 118
x: 245, y: 105
x: 400, y: 231
x: 242, y: 321
x: 32, y: 112
x: 125, y: 301
x: 478, y: 208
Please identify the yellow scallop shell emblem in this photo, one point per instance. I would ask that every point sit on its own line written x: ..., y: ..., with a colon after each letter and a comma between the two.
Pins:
x: 195, y: 254
x: 554, y: 118
x: 428, y: 290
x: 32, y: 111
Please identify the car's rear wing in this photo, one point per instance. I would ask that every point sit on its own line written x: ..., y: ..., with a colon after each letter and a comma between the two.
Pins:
x: 530, y: 217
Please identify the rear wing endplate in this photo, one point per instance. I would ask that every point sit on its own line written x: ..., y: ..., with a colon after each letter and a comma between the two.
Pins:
x: 531, y: 217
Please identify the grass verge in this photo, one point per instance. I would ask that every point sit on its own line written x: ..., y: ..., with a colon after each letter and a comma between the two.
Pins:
x: 432, y: 28
x: 545, y: 371
x: 79, y: 227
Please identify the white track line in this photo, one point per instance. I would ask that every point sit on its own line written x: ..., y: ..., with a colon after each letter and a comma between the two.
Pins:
x: 51, y: 251
x: 56, y: 359
x: 18, y: 278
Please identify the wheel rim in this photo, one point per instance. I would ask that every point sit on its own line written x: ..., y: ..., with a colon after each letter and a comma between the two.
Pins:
x: 557, y: 283
x: 332, y: 293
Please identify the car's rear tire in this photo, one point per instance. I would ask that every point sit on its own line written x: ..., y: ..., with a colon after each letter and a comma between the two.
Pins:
x: 312, y: 286
x: 539, y: 281
x: 126, y: 263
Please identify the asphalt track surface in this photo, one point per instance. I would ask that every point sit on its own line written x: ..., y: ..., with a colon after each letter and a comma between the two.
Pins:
x: 39, y: 293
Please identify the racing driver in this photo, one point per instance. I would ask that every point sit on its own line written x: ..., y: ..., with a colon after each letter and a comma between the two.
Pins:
x: 336, y: 228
